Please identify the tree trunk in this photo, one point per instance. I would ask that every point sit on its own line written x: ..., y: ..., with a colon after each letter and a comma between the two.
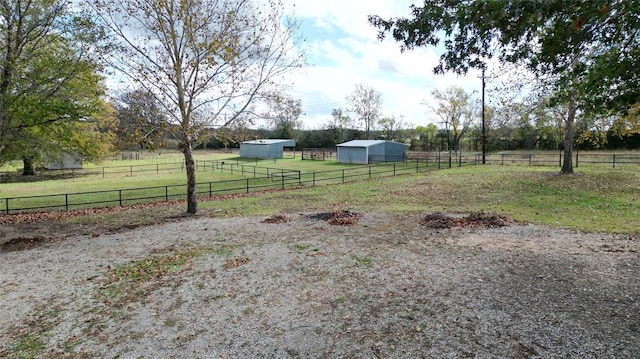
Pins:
x: 567, y: 165
x: 28, y: 169
x: 192, y: 200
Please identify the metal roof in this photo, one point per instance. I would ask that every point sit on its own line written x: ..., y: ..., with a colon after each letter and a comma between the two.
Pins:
x: 366, y: 143
x: 271, y: 142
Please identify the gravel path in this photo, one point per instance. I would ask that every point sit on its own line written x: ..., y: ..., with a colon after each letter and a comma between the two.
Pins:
x: 384, y: 287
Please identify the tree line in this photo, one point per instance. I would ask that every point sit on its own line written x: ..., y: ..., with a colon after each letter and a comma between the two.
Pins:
x: 91, y: 76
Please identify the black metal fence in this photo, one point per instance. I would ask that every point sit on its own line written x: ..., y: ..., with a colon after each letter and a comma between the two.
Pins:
x: 451, y: 159
x: 258, y: 179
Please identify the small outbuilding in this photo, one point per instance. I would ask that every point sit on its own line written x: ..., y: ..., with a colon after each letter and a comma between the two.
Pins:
x: 265, y: 149
x: 368, y: 151
x: 66, y: 161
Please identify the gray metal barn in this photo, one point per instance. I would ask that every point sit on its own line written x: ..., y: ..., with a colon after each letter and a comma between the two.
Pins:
x: 367, y: 151
x: 270, y: 149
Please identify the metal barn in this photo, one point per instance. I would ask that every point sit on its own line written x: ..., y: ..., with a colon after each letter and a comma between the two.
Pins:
x: 367, y: 151
x: 265, y: 149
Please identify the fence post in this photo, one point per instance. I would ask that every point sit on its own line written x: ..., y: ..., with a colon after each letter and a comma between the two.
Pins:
x: 394, y: 169
x: 577, y: 157
x: 120, y: 197
x: 157, y: 168
x: 369, y: 172
x: 131, y: 170
x: 614, y: 161
x: 417, y: 166
x: 210, y: 189
x: 343, y: 174
x: 66, y: 201
x: 102, y: 172
x: 314, y: 179
x: 6, y: 205
x: 530, y: 155
x: 502, y: 160
x: 282, y: 177
x: 166, y: 193
x: 247, y: 185
x: 560, y: 159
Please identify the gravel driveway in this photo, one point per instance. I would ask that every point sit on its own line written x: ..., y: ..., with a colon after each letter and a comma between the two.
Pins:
x: 386, y: 286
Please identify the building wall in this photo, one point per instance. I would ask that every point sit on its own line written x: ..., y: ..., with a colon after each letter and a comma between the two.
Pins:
x: 252, y: 150
x: 352, y: 155
x: 395, y: 151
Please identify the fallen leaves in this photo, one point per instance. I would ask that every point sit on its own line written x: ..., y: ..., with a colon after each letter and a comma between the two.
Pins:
x: 338, y: 218
x: 276, y: 218
x: 440, y: 220
x: 235, y: 262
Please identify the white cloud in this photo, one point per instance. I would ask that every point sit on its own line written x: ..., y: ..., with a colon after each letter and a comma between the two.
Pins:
x: 343, y: 50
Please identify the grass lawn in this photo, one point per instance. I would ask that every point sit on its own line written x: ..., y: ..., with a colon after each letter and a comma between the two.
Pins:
x: 595, y: 198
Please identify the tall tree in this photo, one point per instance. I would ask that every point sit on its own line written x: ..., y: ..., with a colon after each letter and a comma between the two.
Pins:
x: 340, y: 121
x: 456, y: 112
x: 589, y: 49
x: 283, y: 114
x: 142, y: 120
x: 390, y: 125
x: 207, y: 61
x: 366, y: 102
x: 425, y: 137
x: 49, y: 82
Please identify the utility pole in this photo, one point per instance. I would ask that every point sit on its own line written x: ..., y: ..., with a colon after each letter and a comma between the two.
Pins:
x: 484, y: 134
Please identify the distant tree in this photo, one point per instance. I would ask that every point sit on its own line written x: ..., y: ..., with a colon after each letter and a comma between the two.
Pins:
x: 283, y: 114
x: 340, y: 121
x: 425, y: 138
x: 389, y: 126
x: 588, y: 50
x: 207, y: 61
x: 142, y: 120
x: 366, y: 103
x: 456, y: 112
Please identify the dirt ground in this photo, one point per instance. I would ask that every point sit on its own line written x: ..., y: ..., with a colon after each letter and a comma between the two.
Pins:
x: 330, y: 285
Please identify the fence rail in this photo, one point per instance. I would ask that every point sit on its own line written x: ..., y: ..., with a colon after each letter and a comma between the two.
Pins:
x: 258, y: 178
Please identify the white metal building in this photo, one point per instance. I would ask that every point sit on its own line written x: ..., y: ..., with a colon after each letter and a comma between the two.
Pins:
x: 269, y: 149
x: 367, y: 151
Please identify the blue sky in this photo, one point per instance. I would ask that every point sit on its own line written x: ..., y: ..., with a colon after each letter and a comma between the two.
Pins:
x: 343, y: 50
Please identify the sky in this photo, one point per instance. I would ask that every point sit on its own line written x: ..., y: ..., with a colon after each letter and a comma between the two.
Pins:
x: 342, y: 50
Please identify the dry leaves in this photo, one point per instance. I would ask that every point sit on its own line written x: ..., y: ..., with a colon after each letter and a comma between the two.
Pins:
x: 440, y: 220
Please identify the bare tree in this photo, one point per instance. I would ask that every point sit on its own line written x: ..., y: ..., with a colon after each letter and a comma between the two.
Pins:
x: 366, y: 102
x: 454, y: 108
x: 339, y: 122
x: 207, y: 61
x: 283, y: 114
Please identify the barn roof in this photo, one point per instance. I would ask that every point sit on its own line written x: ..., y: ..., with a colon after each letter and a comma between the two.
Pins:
x: 286, y: 143
x: 366, y: 143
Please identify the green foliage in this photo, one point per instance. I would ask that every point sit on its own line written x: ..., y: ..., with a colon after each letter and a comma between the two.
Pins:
x: 593, y: 41
x: 141, y: 121
x: 49, y: 84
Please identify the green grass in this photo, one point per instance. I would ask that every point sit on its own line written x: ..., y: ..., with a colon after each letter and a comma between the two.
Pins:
x: 590, y: 200
x: 596, y: 198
